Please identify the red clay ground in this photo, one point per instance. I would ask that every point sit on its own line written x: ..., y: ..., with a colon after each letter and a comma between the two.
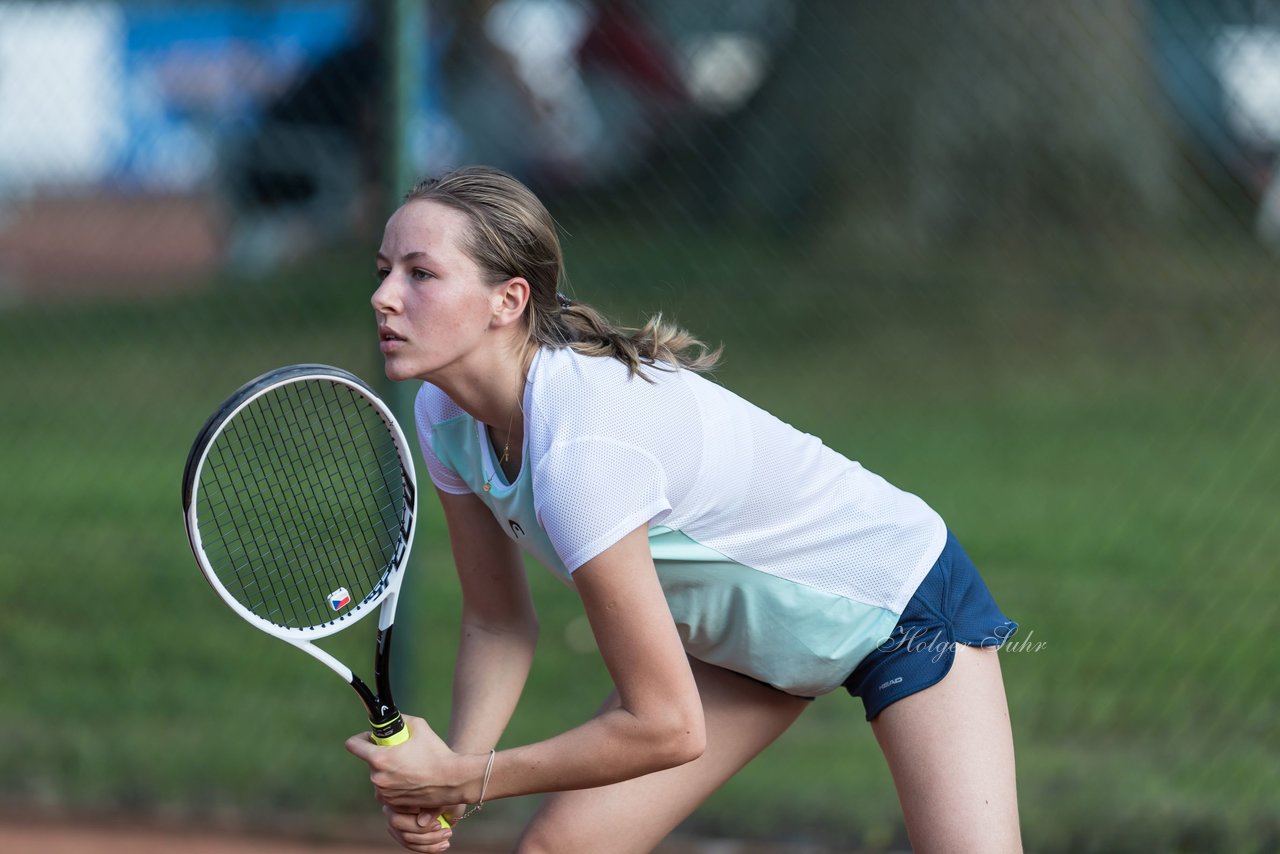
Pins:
x: 49, y: 837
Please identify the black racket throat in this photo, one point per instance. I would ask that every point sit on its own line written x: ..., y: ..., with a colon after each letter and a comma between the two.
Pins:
x: 384, y: 717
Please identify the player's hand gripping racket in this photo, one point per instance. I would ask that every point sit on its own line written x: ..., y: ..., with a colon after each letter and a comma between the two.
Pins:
x: 300, y: 500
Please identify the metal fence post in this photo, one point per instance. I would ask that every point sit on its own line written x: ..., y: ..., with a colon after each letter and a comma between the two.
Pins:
x: 406, y: 23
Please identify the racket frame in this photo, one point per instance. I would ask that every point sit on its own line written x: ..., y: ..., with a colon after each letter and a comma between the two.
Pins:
x: 384, y: 718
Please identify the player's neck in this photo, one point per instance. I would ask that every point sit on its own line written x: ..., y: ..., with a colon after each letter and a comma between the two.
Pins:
x: 491, y: 389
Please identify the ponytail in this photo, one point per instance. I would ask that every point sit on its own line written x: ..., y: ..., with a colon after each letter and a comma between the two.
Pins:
x: 657, y: 344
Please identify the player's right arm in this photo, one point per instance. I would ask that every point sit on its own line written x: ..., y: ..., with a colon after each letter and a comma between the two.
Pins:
x: 499, y: 625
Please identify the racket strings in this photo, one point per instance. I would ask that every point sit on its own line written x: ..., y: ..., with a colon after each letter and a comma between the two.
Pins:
x: 281, y: 550
x: 333, y: 492
x: 279, y: 588
x: 305, y: 493
x: 380, y: 469
x: 342, y: 544
x: 392, y: 480
x: 336, y: 489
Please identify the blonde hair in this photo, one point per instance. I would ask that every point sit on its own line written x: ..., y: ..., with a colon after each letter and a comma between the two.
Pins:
x: 512, y: 234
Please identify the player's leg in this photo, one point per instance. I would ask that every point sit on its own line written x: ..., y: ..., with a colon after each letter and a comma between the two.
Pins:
x: 742, y: 718
x: 950, y: 749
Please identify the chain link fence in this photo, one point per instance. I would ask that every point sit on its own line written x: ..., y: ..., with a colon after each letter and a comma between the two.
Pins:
x: 1019, y: 257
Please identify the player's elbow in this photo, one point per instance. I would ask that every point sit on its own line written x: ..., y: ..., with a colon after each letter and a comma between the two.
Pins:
x: 682, y: 737
x: 521, y: 626
x: 691, y: 744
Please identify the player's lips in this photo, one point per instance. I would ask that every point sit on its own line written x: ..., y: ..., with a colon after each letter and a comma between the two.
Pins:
x: 388, y: 339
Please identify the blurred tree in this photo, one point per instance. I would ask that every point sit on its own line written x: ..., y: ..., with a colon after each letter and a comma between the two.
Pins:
x: 916, y: 111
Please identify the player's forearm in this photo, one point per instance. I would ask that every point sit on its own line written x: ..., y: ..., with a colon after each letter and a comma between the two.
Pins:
x: 488, y: 681
x: 615, y: 746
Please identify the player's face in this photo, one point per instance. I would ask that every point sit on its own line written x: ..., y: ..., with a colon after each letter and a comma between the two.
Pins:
x: 432, y: 304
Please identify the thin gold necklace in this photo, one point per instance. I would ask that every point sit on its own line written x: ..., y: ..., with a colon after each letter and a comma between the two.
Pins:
x: 506, y: 448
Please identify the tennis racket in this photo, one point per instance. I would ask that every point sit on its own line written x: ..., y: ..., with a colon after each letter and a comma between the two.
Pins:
x: 300, y: 497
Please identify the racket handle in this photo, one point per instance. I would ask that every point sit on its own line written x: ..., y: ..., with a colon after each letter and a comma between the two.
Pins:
x: 389, y: 732
x: 394, y: 732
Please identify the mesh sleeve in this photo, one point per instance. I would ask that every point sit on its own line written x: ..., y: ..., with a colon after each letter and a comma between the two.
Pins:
x: 591, y: 492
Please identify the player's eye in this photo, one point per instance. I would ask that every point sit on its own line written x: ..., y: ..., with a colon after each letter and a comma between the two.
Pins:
x: 381, y: 273
x: 421, y: 275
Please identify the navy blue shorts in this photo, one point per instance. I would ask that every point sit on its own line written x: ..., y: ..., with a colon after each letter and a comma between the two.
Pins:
x: 952, y: 605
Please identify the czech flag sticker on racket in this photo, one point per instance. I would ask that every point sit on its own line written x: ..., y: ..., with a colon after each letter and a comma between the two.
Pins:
x: 339, y: 599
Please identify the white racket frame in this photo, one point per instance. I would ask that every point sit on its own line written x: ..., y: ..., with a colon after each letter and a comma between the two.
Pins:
x: 387, y: 592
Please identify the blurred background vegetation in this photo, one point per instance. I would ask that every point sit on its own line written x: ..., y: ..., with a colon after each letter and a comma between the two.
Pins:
x: 1018, y: 256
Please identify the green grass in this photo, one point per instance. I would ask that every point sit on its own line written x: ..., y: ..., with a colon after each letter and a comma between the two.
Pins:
x: 1100, y: 434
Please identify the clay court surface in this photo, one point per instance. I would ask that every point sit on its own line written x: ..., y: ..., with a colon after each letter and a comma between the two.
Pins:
x: 50, y: 839
x: 53, y: 837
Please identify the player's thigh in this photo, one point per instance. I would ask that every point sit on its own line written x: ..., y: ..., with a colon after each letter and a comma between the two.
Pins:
x: 950, y: 749
x: 742, y: 718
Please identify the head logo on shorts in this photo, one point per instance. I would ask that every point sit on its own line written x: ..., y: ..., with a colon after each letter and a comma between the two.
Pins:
x: 339, y: 599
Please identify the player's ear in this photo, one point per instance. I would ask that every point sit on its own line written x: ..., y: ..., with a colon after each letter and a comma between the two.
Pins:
x: 509, y: 301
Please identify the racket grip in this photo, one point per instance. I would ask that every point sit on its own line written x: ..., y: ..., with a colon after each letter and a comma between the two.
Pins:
x: 392, y: 732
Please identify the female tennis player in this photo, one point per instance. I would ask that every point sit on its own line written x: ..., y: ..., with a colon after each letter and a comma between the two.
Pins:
x: 731, y: 567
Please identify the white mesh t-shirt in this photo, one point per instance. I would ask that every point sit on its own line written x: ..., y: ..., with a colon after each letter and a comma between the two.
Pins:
x: 780, y: 558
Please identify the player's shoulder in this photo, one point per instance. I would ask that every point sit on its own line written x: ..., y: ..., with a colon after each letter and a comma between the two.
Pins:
x: 432, y: 406
x: 597, y: 382
x: 565, y: 367
x: 575, y: 394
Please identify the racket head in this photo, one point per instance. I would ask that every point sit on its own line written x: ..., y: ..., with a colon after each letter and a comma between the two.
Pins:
x: 299, y: 497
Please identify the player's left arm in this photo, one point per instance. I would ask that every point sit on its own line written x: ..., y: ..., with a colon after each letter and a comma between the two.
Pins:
x: 657, y: 724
